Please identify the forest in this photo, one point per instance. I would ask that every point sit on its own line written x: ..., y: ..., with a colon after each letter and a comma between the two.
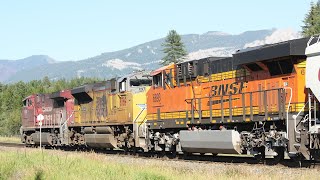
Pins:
x: 11, y: 96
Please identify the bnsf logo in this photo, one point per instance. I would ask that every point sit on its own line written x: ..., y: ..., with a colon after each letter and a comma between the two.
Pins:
x: 156, y: 97
x: 228, y: 89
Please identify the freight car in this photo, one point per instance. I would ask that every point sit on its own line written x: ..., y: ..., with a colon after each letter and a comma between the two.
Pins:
x: 255, y: 102
x: 109, y: 114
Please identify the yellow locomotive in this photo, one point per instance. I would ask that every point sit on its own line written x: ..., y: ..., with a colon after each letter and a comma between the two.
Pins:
x: 108, y: 113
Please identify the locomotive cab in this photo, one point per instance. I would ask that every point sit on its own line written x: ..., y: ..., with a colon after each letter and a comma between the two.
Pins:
x: 28, y: 110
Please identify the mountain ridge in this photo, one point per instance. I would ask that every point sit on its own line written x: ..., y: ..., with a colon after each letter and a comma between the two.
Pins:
x: 142, y: 56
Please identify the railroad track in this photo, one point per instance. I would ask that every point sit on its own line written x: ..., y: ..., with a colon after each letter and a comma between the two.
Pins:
x: 229, y: 159
x: 7, y: 144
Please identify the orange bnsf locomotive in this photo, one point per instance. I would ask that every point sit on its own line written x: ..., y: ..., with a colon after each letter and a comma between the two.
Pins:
x: 255, y: 102
x: 262, y: 101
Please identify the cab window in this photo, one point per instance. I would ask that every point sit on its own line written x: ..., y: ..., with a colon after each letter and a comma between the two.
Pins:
x: 122, y: 85
x: 27, y: 103
x: 140, y: 82
x: 157, y: 80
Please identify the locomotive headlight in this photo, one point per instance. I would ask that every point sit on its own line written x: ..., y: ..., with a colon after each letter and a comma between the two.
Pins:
x: 285, y: 84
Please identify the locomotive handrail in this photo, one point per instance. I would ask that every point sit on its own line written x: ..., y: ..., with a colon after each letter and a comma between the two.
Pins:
x: 198, y: 99
x: 287, y: 121
x: 295, y: 117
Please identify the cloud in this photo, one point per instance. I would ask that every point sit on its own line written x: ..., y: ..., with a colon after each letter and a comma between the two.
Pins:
x: 278, y: 35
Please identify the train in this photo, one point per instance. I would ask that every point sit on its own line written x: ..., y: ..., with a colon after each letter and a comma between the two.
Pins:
x: 261, y: 101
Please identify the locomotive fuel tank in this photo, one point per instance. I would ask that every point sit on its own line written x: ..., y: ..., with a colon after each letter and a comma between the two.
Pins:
x: 100, y: 140
x: 211, y: 141
x: 46, y: 138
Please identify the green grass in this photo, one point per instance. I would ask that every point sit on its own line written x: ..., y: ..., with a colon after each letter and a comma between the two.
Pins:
x: 10, y: 139
x: 36, y: 164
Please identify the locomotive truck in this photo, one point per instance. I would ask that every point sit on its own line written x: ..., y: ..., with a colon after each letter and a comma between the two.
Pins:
x: 261, y: 101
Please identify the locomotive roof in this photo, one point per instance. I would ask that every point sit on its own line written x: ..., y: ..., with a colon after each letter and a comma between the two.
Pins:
x: 87, y: 87
x: 55, y: 95
x: 157, y: 71
x: 294, y: 47
x: 138, y: 73
x: 60, y: 94
x: 213, y: 58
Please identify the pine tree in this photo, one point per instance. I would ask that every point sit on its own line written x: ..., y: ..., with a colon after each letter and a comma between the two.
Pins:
x: 312, y: 21
x: 173, y: 48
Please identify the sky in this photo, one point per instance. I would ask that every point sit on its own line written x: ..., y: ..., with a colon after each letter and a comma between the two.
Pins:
x: 79, y: 29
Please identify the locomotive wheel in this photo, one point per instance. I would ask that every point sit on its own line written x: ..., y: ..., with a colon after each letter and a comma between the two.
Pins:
x: 186, y: 155
x: 261, y: 155
x: 276, y: 159
x: 172, y: 155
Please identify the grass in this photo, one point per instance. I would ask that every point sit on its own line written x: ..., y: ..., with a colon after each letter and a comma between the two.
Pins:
x: 36, y: 164
x: 10, y: 139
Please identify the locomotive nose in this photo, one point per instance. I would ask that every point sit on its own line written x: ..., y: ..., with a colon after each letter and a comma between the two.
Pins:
x: 313, y: 65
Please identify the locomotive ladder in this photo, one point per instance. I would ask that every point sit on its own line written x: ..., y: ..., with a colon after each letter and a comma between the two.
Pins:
x: 64, y: 129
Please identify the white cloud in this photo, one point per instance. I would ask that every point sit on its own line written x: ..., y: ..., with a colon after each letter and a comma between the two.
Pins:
x: 278, y: 35
x: 120, y: 64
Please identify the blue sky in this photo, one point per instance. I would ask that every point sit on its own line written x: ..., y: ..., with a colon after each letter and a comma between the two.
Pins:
x: 78, y: 29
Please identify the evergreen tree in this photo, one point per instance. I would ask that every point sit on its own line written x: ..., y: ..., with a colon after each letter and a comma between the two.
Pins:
x: 173, y: 48
x: 312, y: 21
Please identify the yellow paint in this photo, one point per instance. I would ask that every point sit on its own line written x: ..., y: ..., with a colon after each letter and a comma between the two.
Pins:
x: 139, y: 106
x: 214, y: 121
x: 181, y: 122
x: 107, y: 107
x: 77, y: 115
x: 301, y: 63
x: 224, y: 75
x: 205, y: 114
x: 247, y: 119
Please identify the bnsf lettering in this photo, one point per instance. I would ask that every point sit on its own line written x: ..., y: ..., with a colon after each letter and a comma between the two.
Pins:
x: 228, y: 89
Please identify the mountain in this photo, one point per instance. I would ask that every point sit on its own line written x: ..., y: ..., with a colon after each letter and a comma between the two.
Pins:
x: 143, y: 56
x: 9, y: 68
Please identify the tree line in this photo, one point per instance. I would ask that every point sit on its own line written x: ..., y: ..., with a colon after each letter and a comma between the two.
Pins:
x: 12, y: 95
